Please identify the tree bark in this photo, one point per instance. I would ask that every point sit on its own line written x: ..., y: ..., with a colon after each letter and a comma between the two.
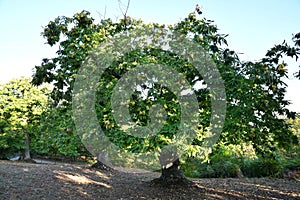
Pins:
x: 26, y: 152
x: 172, y: 174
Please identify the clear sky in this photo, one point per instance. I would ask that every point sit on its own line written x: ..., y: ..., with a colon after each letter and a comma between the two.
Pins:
x: 253, y: 27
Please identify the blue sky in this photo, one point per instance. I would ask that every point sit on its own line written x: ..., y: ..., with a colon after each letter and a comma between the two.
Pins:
x: 253, y: 27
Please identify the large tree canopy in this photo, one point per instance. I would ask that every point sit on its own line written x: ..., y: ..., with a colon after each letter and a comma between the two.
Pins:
x: 255, y: 90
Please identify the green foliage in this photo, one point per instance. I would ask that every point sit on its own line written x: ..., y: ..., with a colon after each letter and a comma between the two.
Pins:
x: 295, y: 125
x: 21, y: 105
x: 262, y: 167
x: 76, y: 35
x: 139, y: 105
x: 216, y: 169
x: 292, y: 163
x: 231, y: 162
x: 56, y: 134
x: 278, y: 51
x: 224, y: 161
x: 292, y: 155
x: 256, y: 105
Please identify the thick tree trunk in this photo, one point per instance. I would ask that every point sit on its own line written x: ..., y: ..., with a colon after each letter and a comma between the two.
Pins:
x: 26, y: 152
x: 172, y: 174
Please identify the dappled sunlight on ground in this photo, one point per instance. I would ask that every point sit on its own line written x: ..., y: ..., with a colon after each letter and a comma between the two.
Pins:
x: 217, y: 193
x: 78, y: 179
x: 25, y: 169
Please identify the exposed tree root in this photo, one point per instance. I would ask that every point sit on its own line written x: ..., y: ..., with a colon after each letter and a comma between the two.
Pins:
x: 101, y: 166
x: 27, y: 160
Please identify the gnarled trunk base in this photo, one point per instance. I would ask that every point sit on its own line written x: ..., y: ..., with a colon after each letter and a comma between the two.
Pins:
x: 171, y: 176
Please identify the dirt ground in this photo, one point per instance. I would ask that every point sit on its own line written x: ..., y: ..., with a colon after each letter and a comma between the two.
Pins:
x: 78, y: 181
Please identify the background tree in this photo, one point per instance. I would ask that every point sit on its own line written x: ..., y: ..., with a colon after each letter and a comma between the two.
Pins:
x: 56, y: 136
x: 295, y: 127
x: 21, y: 105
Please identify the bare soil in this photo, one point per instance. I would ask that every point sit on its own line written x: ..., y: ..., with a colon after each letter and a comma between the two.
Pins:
x: 78, y: 181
